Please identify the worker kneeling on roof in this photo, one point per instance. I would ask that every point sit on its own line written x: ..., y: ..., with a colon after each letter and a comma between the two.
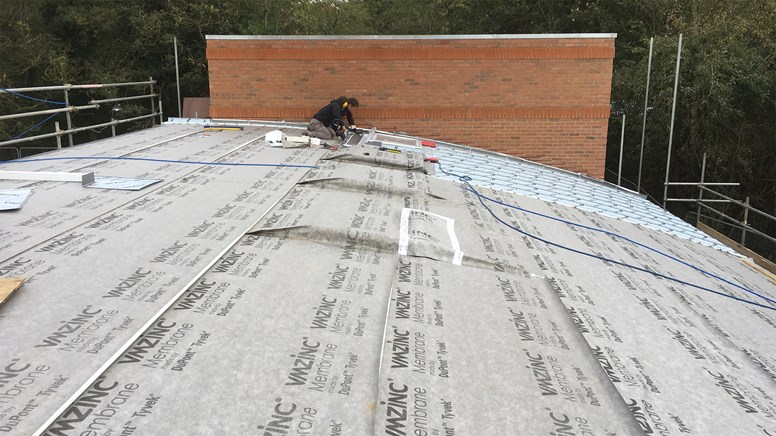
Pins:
x: 329, y: 122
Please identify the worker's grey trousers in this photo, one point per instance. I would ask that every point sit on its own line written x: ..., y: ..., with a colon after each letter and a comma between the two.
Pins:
x: 316, y: 129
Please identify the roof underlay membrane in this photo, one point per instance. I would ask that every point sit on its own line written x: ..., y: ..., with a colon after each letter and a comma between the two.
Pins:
x: 305, y: 291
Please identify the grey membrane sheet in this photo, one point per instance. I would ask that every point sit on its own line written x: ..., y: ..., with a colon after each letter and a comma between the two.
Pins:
x: 680, y: 357
x: 253, y: 348
x: 299, y: 316
x: 60, y: 206
x: 99, y: 279
x: 480, y: 351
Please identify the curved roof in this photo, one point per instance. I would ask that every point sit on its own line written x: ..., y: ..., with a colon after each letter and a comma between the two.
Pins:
x: 252, y: 287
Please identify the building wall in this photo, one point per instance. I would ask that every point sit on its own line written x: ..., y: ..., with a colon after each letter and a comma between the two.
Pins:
x: 541, y: 97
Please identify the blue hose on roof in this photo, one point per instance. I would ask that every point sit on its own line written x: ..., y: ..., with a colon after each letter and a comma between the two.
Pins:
x: 148, y: 159
x: 617, y: 235
x: 480, y: 197
x: 33, y: 98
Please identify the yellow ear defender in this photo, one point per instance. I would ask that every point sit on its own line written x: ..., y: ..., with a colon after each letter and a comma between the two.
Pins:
x: 344, y: 105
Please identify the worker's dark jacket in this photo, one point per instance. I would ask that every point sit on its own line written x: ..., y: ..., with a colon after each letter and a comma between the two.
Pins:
x: 333, y: 111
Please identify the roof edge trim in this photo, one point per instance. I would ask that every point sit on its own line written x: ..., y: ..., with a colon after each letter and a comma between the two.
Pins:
x: 400, y: 37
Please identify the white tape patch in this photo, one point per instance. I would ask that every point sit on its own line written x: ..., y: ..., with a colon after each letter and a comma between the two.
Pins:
x: 404, y: 231
x: 429, y: 228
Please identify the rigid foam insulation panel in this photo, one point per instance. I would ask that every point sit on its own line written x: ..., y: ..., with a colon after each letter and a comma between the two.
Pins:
x: 275, y: 301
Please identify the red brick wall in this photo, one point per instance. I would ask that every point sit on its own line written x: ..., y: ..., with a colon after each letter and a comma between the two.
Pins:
x: 541, y: 98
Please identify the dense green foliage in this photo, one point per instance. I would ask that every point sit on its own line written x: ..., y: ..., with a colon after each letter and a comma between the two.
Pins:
x: 726, y: 104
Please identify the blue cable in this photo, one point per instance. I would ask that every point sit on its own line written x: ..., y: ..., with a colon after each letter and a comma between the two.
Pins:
x: 617, y: 235
x: 480, y: 197
x: 148, y: 159
x: 25, y: 132
x: 33, y: 98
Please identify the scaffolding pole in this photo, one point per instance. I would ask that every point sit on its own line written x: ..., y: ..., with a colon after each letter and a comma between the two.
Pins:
x: 646, y: 109
x: 673, y: 115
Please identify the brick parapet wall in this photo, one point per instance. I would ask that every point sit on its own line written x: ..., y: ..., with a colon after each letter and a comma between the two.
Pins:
x: 544, y: 99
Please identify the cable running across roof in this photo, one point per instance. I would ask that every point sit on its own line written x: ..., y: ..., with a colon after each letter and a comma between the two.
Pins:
x: 480, y: 197
x: 148, y: 159
x: 617, y: 235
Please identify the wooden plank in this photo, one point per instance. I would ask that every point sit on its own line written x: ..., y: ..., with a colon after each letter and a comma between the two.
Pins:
x: 771, y: 276
x: 759, y: 260
x: 8, y: 286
